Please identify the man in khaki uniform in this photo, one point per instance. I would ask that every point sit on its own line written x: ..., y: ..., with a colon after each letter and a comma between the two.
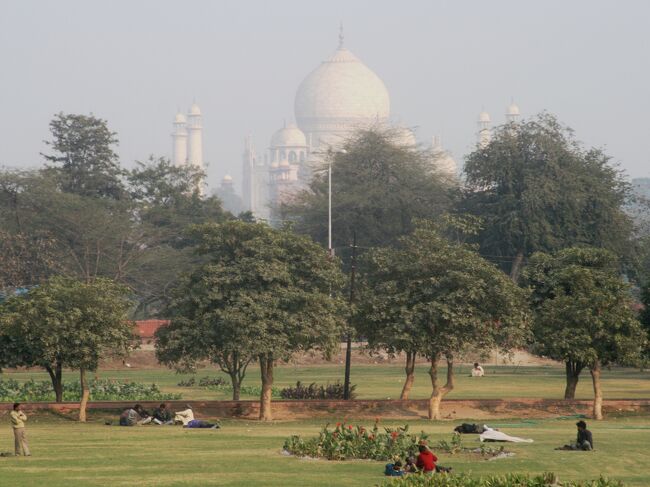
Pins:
x: 18, y: 419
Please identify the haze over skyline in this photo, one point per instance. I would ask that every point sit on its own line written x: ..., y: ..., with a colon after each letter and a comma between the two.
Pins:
x: 135, y: 63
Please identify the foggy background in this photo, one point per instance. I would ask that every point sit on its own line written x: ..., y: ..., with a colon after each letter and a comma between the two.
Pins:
x: 134, y: 63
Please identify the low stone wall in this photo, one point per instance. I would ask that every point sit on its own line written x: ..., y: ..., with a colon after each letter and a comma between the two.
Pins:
x: 478, y: 409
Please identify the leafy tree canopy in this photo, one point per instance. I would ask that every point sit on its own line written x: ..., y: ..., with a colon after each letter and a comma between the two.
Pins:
x: 537, y: 189
x: 438, y: 298
x: 66, y: 323
x: 84, y: 160
x: 583, y: 311
x: 378, y: 187
x: 261, y: 292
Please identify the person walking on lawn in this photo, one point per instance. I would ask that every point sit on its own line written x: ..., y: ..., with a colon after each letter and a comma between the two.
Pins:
x: 18, y: 419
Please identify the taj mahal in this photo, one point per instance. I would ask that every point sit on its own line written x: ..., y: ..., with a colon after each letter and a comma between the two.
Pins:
x: 337, y: 98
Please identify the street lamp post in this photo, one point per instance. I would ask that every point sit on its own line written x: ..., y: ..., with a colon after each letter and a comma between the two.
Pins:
x: 329, y: 208
x: 330, y: 152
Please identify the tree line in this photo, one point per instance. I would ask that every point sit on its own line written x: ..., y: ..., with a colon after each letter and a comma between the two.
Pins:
x: 533, y: 248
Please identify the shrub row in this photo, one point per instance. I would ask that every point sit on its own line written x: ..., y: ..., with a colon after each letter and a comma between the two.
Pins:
x: 509, y: 480
x: 316, y: 391
x: 100, y: 390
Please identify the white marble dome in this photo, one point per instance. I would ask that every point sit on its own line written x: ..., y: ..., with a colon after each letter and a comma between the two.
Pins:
x: 339, y: 95
x: 289, y: 136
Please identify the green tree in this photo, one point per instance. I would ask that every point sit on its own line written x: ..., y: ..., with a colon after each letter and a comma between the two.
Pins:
x: 437, y: 298
x: 378, y: 187
x: 67, y: 323
x: 537, y: 189
x: 84, y: 160
x: 583, y: 314
x: 168, y: 202
x: 261, y: 293
x: 139, y: 240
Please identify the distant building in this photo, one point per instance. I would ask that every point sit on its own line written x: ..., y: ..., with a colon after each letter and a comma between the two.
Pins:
x: 226, y: 193
x: 147, y: 328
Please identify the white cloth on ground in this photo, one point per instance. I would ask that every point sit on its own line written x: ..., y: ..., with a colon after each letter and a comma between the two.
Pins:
x: 493, y: 435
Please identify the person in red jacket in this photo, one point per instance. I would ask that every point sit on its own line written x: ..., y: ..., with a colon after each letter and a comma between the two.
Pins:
x: 426, y: 461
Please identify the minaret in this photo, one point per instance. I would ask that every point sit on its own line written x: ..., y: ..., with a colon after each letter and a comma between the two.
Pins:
x: 179, y: 140
x: 512, y: 114
x: 195, y: 129
x: 248, y: 173
x: 484, y: 133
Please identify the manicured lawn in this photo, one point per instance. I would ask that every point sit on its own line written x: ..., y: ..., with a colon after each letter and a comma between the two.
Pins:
x: 385, y: 381
x: 66, y: 453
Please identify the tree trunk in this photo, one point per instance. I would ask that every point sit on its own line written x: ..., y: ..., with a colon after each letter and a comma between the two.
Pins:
x: 573, y: 370
x: 56, y: 375
x: 85, y: 393
x: 438, y: 393
x: 515, y: 270
x: 410, y: 375
x: 598, y: 392
x: 236, y: 386
x: 266, y: 369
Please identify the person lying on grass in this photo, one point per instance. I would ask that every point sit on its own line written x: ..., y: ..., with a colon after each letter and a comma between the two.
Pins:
x: 584, y: 440
x: 199, y: 423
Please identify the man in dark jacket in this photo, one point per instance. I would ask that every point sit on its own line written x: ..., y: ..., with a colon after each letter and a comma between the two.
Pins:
x: 584, y: 440
x: 162, y: 415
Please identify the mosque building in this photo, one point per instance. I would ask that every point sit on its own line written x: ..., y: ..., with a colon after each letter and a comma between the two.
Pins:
x: 338, y: 97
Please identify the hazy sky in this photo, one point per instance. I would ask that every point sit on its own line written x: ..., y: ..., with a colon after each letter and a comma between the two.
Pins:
x: 135, y: 62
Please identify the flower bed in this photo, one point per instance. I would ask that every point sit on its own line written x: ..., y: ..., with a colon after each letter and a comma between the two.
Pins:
x: 347, y: 441
x: 509, y: 480
x: 100, y: 390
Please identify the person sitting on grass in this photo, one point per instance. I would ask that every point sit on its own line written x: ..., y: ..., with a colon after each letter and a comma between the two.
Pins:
x: 145, y: 417
x: 584, y: 441
x: 394, y: 469
x: 426, y: 460
x: 410, y: 466
x: 162, y: 415
x: 185, y: 416
x: 130, y: 416
x: 477, y: 371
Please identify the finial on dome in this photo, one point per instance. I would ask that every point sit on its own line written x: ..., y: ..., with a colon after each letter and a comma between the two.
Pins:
x: 341, y: 38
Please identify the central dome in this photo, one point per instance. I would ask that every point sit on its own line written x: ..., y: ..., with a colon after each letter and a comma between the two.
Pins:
x: 339, y: 95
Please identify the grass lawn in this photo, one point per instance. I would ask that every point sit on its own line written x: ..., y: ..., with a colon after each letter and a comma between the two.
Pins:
x: 385, y: 381
x: 66, y: 453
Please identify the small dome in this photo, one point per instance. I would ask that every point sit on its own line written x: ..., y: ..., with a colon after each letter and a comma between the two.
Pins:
x: 180, y: 118
x: 195, y: 110
x: 227, y: 178
x: 513, y: 109
x: 289, y: 136
x: 484, y: 117
x: 404, y: 137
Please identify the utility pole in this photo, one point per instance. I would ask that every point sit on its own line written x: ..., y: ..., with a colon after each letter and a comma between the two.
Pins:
x: 348, y: 349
